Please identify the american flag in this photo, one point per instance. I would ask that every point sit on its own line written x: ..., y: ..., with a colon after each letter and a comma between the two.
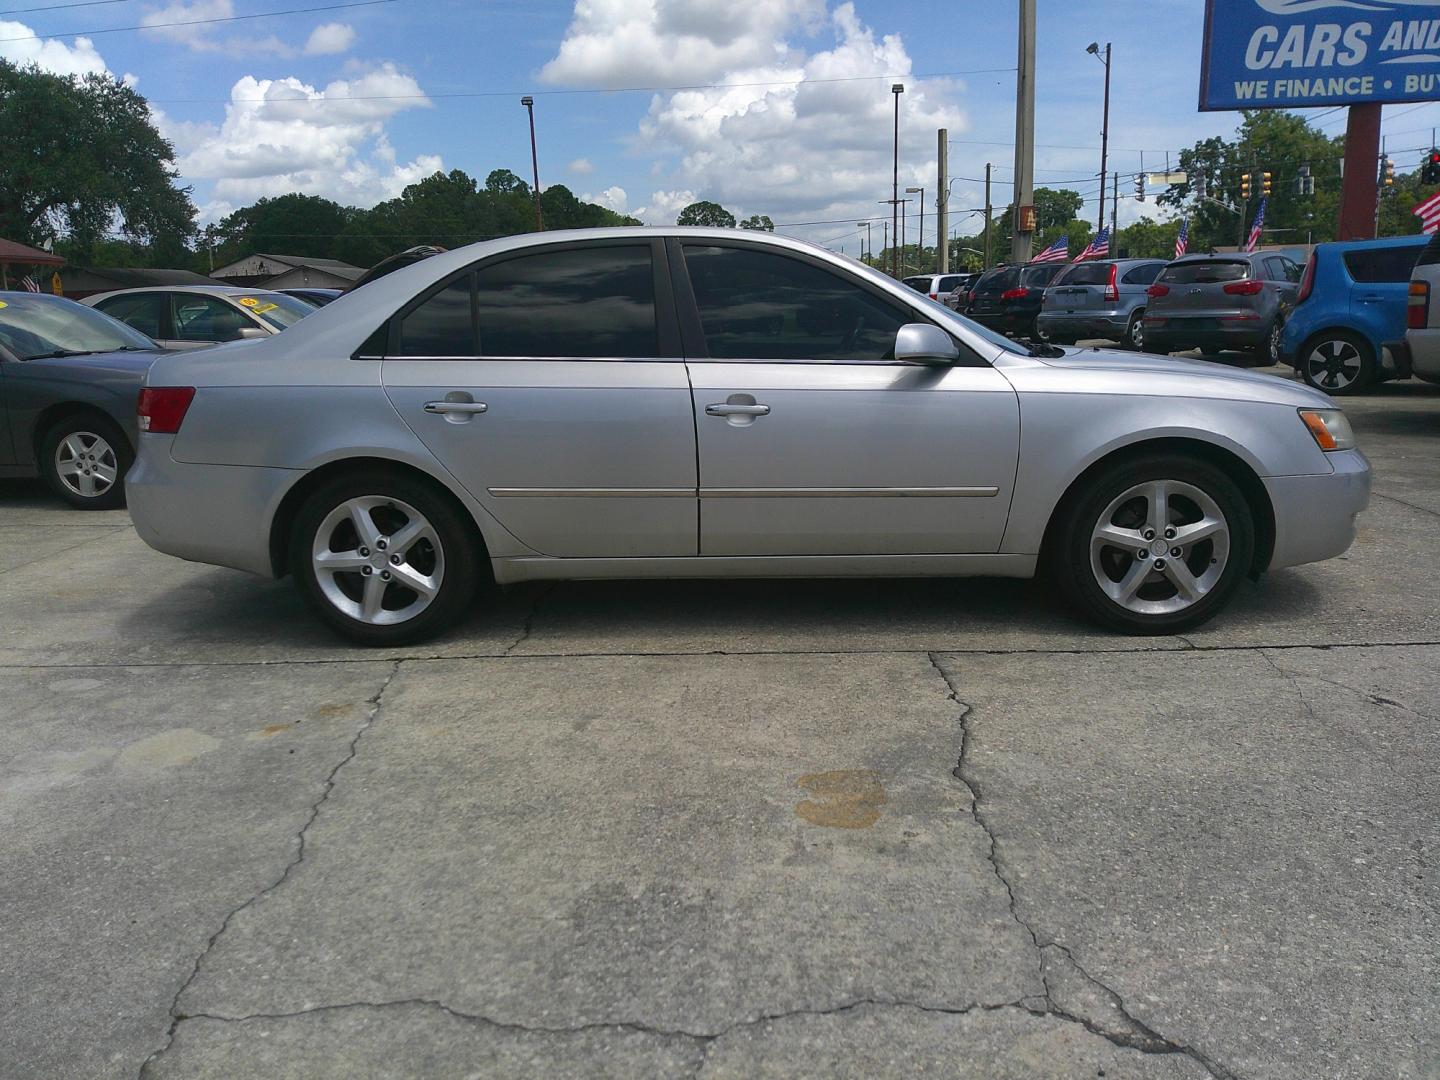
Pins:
x: 1097, y: 247
x: 1429, y: 213
x: 28, y: 284
x: 1182, y: 242
x: 1254, y: 240
x: 1059, y: 251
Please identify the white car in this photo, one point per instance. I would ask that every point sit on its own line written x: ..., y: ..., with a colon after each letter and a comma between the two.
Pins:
x: 193, y: 316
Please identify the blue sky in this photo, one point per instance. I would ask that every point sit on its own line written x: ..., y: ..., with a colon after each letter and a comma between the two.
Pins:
x: 355, y: 103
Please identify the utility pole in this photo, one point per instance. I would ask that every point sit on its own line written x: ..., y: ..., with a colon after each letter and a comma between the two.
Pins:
x: 1094, y: 50
x: 897, y: 89
x: 1114, y: 209
x: 988, y: 167
x: 1024, y: 137
x: 942, y: 206
x: 884, y: 240
x: 869, y: 240
x: 529, y: 104
x: 920, y: 243
x: 1358, y: 187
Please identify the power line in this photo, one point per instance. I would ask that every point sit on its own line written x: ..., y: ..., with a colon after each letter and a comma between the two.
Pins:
x: 206, y: 22
x: 581, y: 90
x: 61, y: 7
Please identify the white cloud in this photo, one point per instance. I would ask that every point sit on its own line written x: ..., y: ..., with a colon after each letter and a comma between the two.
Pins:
x: 580, y: 167
x: 612, y: 198
x: 793, y: 133
x: 200, y: 38
x: 49, y: 54
x: 622, y: 42
x: 329, y: 38
x: 282, y: 135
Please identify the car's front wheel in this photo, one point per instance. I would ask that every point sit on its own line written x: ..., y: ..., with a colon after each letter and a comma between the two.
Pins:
x: 1154, y: 545
x: 1337, y: 362
x: 383, y: 558
x: 84, y: 459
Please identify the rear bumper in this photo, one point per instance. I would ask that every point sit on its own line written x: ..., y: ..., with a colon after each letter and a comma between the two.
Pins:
x: 1110, y: 325
x: 1007, y: 322
x: 1315, y: 515
x: 218, y: 514
x: 1240, y: 334
x: 1423, y: 347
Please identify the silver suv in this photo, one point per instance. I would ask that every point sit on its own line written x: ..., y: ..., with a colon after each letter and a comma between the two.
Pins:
x: 1102, y: 299
x: 1422, y: 316
x: 1218, y: 302
x: 935, y: 286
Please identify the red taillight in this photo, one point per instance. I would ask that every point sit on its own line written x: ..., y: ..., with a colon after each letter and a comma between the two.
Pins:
x: 1014, y: 294
x: 970, y: 297
x: 1307, y: 279
x: 934, y: 296
x: 162, y: 408
x: 1112, y: 288
x: 1245, y: 288
x: 1158, y: 290
x: 1417, y: 306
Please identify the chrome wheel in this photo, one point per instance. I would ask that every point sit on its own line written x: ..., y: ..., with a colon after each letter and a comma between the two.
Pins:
x: 1334, y: 365
x: 378, y: 560
x: 86, y: 464
x: 1159, y: 547
x: 1272, y: 348
x: 1137, y: 332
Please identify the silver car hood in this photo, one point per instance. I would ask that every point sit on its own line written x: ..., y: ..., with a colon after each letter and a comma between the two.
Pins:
x: 1117, y: 371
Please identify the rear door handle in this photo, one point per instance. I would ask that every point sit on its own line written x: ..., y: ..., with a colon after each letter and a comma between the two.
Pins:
x: 456, y: 407
x: 723, y: 409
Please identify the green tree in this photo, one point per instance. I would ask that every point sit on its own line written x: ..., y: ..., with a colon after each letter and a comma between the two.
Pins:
x: 81, y: 155
x: 1148, y: 239
x: 706, y: 213
x: 758, y: 222
x: 291, y: 224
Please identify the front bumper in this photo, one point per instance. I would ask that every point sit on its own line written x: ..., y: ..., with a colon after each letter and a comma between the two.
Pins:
x: 218, y: 514
x: 1315, y: 515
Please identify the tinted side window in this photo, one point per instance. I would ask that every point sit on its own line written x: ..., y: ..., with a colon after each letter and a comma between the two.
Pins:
x: 1040, y: 276
x: 145, y: 312
x: 203, y: 318
x: 593, y: 301
x: 443, y: 325
x: 1376, y: 265
x: 950, y: 282
x: 755, y: 305
x: 1143, y: 274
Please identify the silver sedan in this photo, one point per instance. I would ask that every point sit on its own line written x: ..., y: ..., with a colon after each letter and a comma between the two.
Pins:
x: 628, y: 403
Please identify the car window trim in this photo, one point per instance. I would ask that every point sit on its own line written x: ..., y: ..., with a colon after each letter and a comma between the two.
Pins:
x: 693, y: 333
x: 667, y: 331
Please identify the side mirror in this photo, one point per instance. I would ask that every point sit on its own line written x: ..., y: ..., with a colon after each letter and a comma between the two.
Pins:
x: 252, y: 333
x: 924, y: 343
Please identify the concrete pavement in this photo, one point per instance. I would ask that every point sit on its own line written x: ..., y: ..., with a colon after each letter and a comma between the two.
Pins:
x: 723, y: 829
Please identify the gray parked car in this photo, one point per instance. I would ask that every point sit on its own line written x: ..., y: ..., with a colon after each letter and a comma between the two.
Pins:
x: 69, y: 378
x: 192, y: 316
x: 1218, y: 302
x: 1100, y: 299
x: 618, y: 403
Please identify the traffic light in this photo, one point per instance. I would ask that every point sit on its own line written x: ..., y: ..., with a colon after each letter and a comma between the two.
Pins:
x: 1430, y: 168
x: 1304, y: 181
x: 1140, y: 187
x: 1387, y: 171
x: 1265, y: 183
x: 1245, y: 187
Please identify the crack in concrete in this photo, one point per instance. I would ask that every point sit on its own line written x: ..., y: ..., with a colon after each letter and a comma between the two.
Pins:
x: 1139, y: 1035
x: 329, y: 785
x: 1403, y: 502
x: 1371, y: 696
x: 1294, y: 681
x: 54, y: 552
x: 528, y: 626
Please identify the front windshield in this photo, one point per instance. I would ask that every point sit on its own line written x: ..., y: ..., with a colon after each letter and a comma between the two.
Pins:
x: 34, y: 325
x: 277, y: 309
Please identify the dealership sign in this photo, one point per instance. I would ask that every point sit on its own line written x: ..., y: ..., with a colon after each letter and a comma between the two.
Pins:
x: 1285, y: 54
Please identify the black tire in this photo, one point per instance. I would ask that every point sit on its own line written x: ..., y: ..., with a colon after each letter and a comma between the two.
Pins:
x: 1135, y: 332
x: 1337, y: 362
x: 1069, y: 555
x: 460, y: 550
x: 1271, y: 349
x: 112, y: 451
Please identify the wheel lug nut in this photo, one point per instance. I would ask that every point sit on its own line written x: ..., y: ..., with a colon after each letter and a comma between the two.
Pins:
x: 1175, y: 552
x: 380, y: 544
x: 1159, y: 564
x: 1143, y: 553
x: 366, y: 571
x: 385, y: 575
x: 1149, y: 534
x: 364, y: 553
x: 395, y: 559
x: 1169, y: 534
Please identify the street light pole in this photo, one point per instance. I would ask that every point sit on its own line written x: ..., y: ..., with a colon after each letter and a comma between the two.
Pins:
x: 897, y: 89
x: 1094, y: 50
x: 920, y: 243
x: 529, y: 104
x: 869, y: 239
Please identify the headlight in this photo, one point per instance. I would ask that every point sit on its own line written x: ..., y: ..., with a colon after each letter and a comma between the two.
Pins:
x: 1330, y: 428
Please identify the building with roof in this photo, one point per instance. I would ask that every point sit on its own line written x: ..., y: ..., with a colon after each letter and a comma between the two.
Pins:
x: 22, y: 256
x: 288, y: 272
x: 82, y: 281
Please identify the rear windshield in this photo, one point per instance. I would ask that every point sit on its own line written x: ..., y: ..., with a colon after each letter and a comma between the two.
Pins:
x: 1375, y: 265
x: 1040, y: 275
x: 998, y: 280
x: 949, y: 282
x: 1200, y: 273
x: 919, y: 284
x: 1089, y: 273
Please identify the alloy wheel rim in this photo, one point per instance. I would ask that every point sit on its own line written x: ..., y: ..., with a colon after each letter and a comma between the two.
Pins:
x: 1333, y: 365
x: 1275, y: 336
x: 1159, y: 547
x: 378, y: 560
x: 1137, y: 333
x: 86, y: 464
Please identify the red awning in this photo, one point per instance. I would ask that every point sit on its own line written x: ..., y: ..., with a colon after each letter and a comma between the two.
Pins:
x: 11, y: 252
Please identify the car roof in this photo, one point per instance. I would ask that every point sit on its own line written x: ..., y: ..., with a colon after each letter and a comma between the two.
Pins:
x: 1419, y: 240
x: 208, y: 290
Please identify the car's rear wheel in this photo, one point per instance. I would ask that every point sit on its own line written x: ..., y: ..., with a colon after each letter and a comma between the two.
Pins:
x: 1273, y: 341
x: 84, y: 459
x: 384, y: 559
x: 1135, y: 331
x: 1337, y: 362
x: 1154, y: 546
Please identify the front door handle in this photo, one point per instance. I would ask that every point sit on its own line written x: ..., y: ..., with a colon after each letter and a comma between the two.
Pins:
x: 723, y: 409
x: 470, y: 407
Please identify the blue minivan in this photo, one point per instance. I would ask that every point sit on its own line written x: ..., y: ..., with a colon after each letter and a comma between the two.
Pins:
x: 1351, y: 303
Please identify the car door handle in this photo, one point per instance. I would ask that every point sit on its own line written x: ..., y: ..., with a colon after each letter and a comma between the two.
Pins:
x: 455, y: 406
x: 722, y: 409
